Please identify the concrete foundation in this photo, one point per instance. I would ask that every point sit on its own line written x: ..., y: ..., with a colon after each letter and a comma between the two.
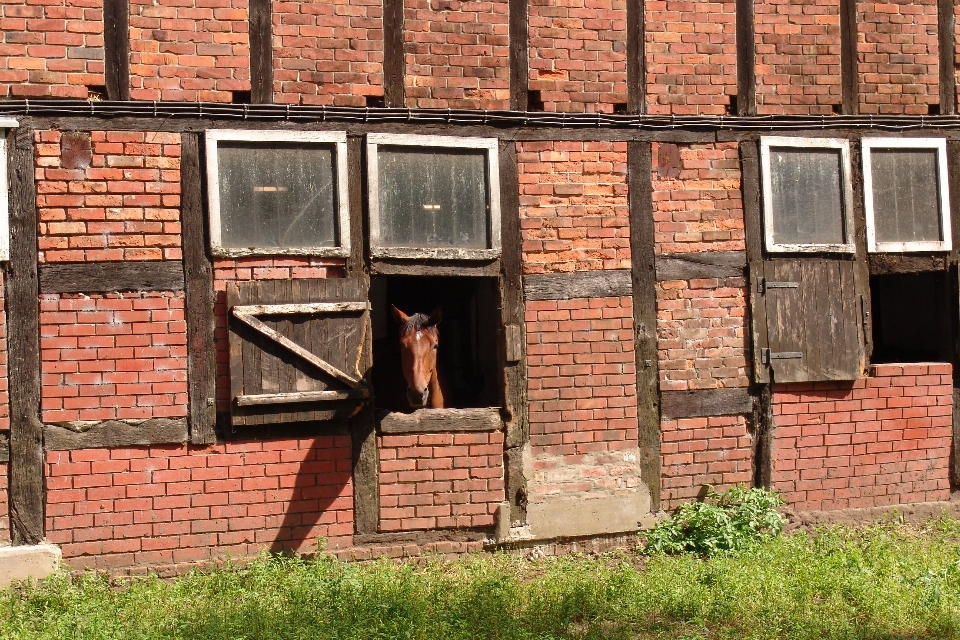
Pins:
x: 21, y: 563
x: 590, y: 516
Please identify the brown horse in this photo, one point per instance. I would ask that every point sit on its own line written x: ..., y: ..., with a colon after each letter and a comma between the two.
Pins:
x: 419, y: 340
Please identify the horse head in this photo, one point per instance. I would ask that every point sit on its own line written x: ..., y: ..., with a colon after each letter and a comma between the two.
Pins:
x: 418, y: 351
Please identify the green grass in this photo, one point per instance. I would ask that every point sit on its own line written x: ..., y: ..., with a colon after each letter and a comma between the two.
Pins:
x: 884, y: 582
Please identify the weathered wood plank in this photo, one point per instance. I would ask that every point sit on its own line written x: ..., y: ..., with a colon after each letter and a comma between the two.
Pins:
x: 295, y: 397
x: 394, y: 67
x: 386, y: 267
x: 758, y: 323
x: 946, y: 32
x: 849, y: 82
x: 116, y: 48
x: 746, y: 59
x: 636, y: 57
x: 261, y: 51
x: 643, y: 285
x: 519, y: 54
x: 888, y: 263
x: 750, y: 186
x: 578, y: 284
x: 197, y: 276
x: 4, y: 448
x: 306, y: 307
x: 114, y: 433
x: 711, y: 264
x: 26, y: 488
x: 699, y: 403
x: 104, y: 277
x: 442, y: 421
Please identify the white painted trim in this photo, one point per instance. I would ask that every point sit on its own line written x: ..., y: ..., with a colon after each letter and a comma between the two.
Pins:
x: 9, y: 123
x: 940, y: 146
x: 374, y: 140
x: 4, y: 203
x: 846, y: 186
x: 336, y: 138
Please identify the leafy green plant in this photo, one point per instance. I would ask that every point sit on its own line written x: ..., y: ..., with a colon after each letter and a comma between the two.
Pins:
x: 730, y: 521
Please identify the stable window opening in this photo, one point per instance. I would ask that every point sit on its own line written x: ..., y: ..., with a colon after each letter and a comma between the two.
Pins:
x: 911, y: 318
x: 906, y: 199
x: 467, y: 366
x: 807, y: 197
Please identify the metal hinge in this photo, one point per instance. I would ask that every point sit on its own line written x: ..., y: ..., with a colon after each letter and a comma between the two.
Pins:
x: 766, y: 355
x: 772, y: 284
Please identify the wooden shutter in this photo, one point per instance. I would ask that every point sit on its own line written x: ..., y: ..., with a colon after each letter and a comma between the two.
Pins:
x: 297, y: 350
x: 807, y: 320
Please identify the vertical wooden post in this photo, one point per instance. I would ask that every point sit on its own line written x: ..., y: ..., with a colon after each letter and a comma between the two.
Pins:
x: 636, y: 57
x: 261, y: 52
x: 366, y: 459
x: 198, y: 290
x: 849, y: 82
x: 394, y: 66
x: 116, y: 48
x: 946, y: 30
x: 953, y: 173
x: 519, y: 55
x: 644, y: 280
x: 512, y: 314
x: 26, y: 492
x: 746, y: 60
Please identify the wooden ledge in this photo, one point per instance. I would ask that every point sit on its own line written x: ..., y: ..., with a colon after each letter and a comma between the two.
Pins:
x: 441, y: 421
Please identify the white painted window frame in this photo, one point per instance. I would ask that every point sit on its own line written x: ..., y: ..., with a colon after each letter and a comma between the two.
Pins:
x: 938, y: 144
x: 5, y: 124
x: 377, y: 250
x: 846, y: 186
x: 336, y: 138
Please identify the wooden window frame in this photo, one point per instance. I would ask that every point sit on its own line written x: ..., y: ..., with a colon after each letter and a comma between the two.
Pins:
x: 338, y: 139
x: 490, y: 145
x: 940, y: 146
x: 846, y: 182
x: 5, y: 124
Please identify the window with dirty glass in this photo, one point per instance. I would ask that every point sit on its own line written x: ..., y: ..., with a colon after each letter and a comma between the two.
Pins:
x: 433, y: 196
x: 806, y: 194
x: 280, y: 194
x: 906, y: 194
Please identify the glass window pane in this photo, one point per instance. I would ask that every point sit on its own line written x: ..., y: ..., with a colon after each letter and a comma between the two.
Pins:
x: 906, y: 197
x: 277, y: 195
x: 807, y: 196
x: 435, y: 198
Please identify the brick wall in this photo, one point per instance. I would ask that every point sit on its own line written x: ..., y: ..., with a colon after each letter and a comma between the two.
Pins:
x: 798, y: 56
x: 574, y: 214
x: 327, y: 53
x: 111, y: 508
x: 191, y: 50
x: 581, y: 387
x: 578, y: 58
x: 898, y: 56
x: 50, y: 48
x: 691, y: 52
x: 700, y: 451
x: 113, y: 356
x: 882, y: 440
x: 255, y: 268
x: 457, y: 54
x: 108, y: 195
x: 440, y: 480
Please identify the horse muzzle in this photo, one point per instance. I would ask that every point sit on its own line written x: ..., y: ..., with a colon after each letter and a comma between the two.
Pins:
x: 418, y: 399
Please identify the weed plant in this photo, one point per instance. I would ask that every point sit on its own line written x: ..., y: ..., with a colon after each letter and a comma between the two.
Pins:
x: 885, y: 582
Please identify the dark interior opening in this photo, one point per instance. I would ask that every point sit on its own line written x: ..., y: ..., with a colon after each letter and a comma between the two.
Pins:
x: 911, y: 318
x: 240, y: 97
x: 534, y: 100
x: 468, y: 346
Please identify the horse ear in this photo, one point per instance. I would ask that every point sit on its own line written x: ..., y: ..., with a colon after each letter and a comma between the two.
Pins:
x: 399, y: 316
x: 435, y: 317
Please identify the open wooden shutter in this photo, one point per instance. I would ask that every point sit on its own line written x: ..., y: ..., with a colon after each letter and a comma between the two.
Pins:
x: 296, y: 350
x: 807, y: 320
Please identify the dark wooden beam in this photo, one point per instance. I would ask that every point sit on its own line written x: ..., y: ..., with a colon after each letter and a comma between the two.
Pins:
x: 750, y: 192
x: 888, y: 263
x: 26, y: 488
x: 710, y: 264
x: 104, y: 277
x: 261, y: 52
x: 114, y: 433
x: 699, y: 403
x: 849, y: 80
x: 946, y: 30
x: 394, y: 66
x: 762, y: 424
x: 577, y: 284
x: 116, y: 48
x: 643, y: 277
x: 519, y: 55
x: 746, y: 59
x: 513, y: 365
x: 198, y: 290
x: 387, y: 267
x: 4, y: 448
x: 636, y: 57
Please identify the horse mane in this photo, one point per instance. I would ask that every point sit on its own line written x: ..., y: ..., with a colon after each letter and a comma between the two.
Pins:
x: 417, y: 322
